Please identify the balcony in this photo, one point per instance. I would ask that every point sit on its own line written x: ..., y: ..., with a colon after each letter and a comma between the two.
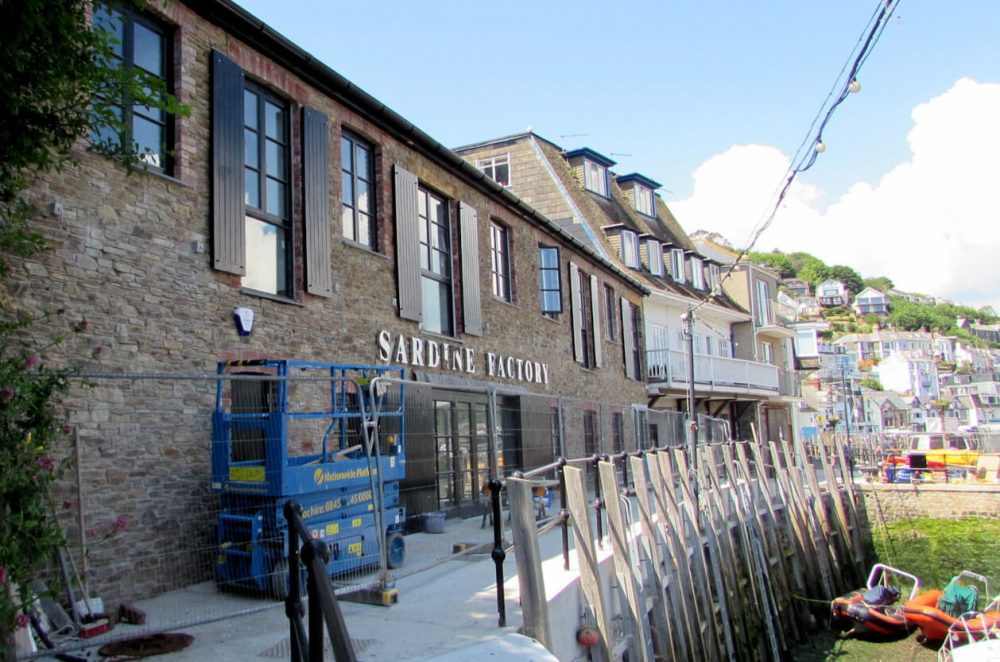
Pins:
x: 789, y: 384
x: 669, y: 368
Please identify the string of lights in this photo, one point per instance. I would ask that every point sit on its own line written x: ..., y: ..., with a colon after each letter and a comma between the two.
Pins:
x: 812, y: 145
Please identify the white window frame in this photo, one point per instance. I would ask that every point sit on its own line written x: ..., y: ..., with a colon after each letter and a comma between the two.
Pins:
x: 763, y: 292
x: 714, y: 276
x: 654, y: 257
x: 490, y: 165
x: 697, y: 273
x: 630, y: 249
x: 595, y: 177
x: 643, y: 200
x: 677, y: 265
x: 767, y: 353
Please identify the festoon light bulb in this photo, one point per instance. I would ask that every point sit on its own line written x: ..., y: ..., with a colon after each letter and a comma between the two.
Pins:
x: 820, y: 147
x: 854, y: 86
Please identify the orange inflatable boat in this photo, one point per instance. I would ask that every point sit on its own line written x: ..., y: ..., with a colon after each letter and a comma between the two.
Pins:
x: 874, y: 609
x: 936, y: 611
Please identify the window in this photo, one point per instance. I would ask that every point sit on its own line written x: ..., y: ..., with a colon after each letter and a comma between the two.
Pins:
x: 630, y: 249
x: 595, y: 178
x: 141, y: 43
x: 725, y: 347
x: 496, y: 168
x: 586, y: 322
x: 589, y: 432
x: 654, y: 257
x: 697, y: 273
x: 357, y: 183
x: 763, y: 303
x: 637, y: 345
x: 714, y: 277
x: 435, y: 263
x: 643, y: 200
x: 550, y: 280
x: 610, y: 312
x: 767, y: 352
x: 266, y: 192
x: 677, y: 265
x: 500, y: 261
x: 617, y: 432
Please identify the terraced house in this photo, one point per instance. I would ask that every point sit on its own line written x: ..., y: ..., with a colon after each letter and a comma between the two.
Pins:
x: 349, y: 235
x: 622, y: 218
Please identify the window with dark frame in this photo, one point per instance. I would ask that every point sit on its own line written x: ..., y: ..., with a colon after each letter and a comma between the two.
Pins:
x: 618, y: 431
x: 142, y: 43
x: 267, y: 192
x: 500, y: 261
x: 587, y: 351
x: 435, y: 263
x: 610, y: 312
x: 636, y: 340
x: 550, y: 280
x: 589, y: 432
x: 357, y: 170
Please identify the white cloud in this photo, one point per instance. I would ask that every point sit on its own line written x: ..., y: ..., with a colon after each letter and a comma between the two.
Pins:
x: 931, y: 224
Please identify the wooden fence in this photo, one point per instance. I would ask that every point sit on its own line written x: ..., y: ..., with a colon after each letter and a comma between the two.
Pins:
x: 735, y: 560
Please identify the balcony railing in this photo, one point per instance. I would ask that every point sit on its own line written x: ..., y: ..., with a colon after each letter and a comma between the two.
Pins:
x: 789, y: 384
x: 670, y: 367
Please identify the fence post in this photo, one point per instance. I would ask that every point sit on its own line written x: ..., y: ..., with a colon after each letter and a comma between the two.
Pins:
x: 563, y: 512
x: 498, y: 555
x: 294, y: 609
x: 529, y: 562
x: 598, y: 503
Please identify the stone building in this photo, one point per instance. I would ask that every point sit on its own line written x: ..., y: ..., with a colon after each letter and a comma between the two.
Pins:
x: 352, y: 236
x: 623, y: 218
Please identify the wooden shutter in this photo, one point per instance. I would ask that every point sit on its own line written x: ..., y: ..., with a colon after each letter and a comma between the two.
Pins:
x: 628, y: 339
x: 596, y: 324
x: 575, y: 304
x: 228, y: 229
x: 471, y: 304
x: 316, y: 188
x: 407, y: 244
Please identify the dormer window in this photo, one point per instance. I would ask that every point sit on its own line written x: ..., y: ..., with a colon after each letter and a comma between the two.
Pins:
x: 630, y: 249
x: 496, y: 168
x: 595, y: 178
x: 654, y: 257
x: 643, y: 200
x: 677, y: 265
x: 714, y: 276
x: 697, y: 273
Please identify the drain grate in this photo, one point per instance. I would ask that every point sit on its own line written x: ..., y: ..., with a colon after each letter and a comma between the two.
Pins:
x: 283, y: 649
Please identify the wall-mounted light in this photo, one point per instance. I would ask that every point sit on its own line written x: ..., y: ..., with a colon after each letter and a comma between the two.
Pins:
x: 244, y: 320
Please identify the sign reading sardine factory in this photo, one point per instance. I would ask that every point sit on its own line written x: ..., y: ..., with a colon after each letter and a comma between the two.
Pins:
x: 426, y: 353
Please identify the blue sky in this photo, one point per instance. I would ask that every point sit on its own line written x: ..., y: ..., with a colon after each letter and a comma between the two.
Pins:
x: 708, y: 98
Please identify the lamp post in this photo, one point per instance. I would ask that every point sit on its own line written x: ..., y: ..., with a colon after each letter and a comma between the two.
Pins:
x: 847, y: 409
x: 688, y: 320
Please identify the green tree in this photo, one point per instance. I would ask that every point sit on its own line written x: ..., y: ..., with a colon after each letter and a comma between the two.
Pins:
x: 880, y: 283
x: 813, y: 272
x: 61, y: 82
x: 776, y: 260
x: 849, y: 277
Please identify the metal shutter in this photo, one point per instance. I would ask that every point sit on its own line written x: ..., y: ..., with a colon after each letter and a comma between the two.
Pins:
x: 628, y: 340
x: 575, y: 304
x: 595, y: 307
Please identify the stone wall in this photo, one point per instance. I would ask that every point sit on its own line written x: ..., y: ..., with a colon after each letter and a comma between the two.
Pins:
x: 894, y: 502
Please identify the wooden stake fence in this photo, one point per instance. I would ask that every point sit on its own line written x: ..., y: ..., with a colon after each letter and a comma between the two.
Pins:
x: 725, y: 564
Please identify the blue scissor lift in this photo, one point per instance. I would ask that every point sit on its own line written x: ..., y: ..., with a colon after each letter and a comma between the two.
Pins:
x: 327, y: 435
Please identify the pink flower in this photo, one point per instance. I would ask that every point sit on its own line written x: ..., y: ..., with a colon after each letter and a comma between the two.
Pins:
x: 67, y: 429
x: 67, y: 505
x: 6, y: 394
x: 31, y: 361
x: 81, y: 326
x: 21, y: 621
x: 3, y: 574
x: 93, y: 533
x: 45, y: 463
x: 120, y: 524
x: 97, y: 351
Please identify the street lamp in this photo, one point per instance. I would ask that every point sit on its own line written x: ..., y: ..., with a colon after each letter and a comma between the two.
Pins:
x: 688, y: 320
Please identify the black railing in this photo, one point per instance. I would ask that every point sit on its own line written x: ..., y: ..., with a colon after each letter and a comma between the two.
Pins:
x: 323, y: 606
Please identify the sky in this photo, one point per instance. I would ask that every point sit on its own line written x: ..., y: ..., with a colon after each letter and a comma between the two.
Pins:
x: 713, y: 100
